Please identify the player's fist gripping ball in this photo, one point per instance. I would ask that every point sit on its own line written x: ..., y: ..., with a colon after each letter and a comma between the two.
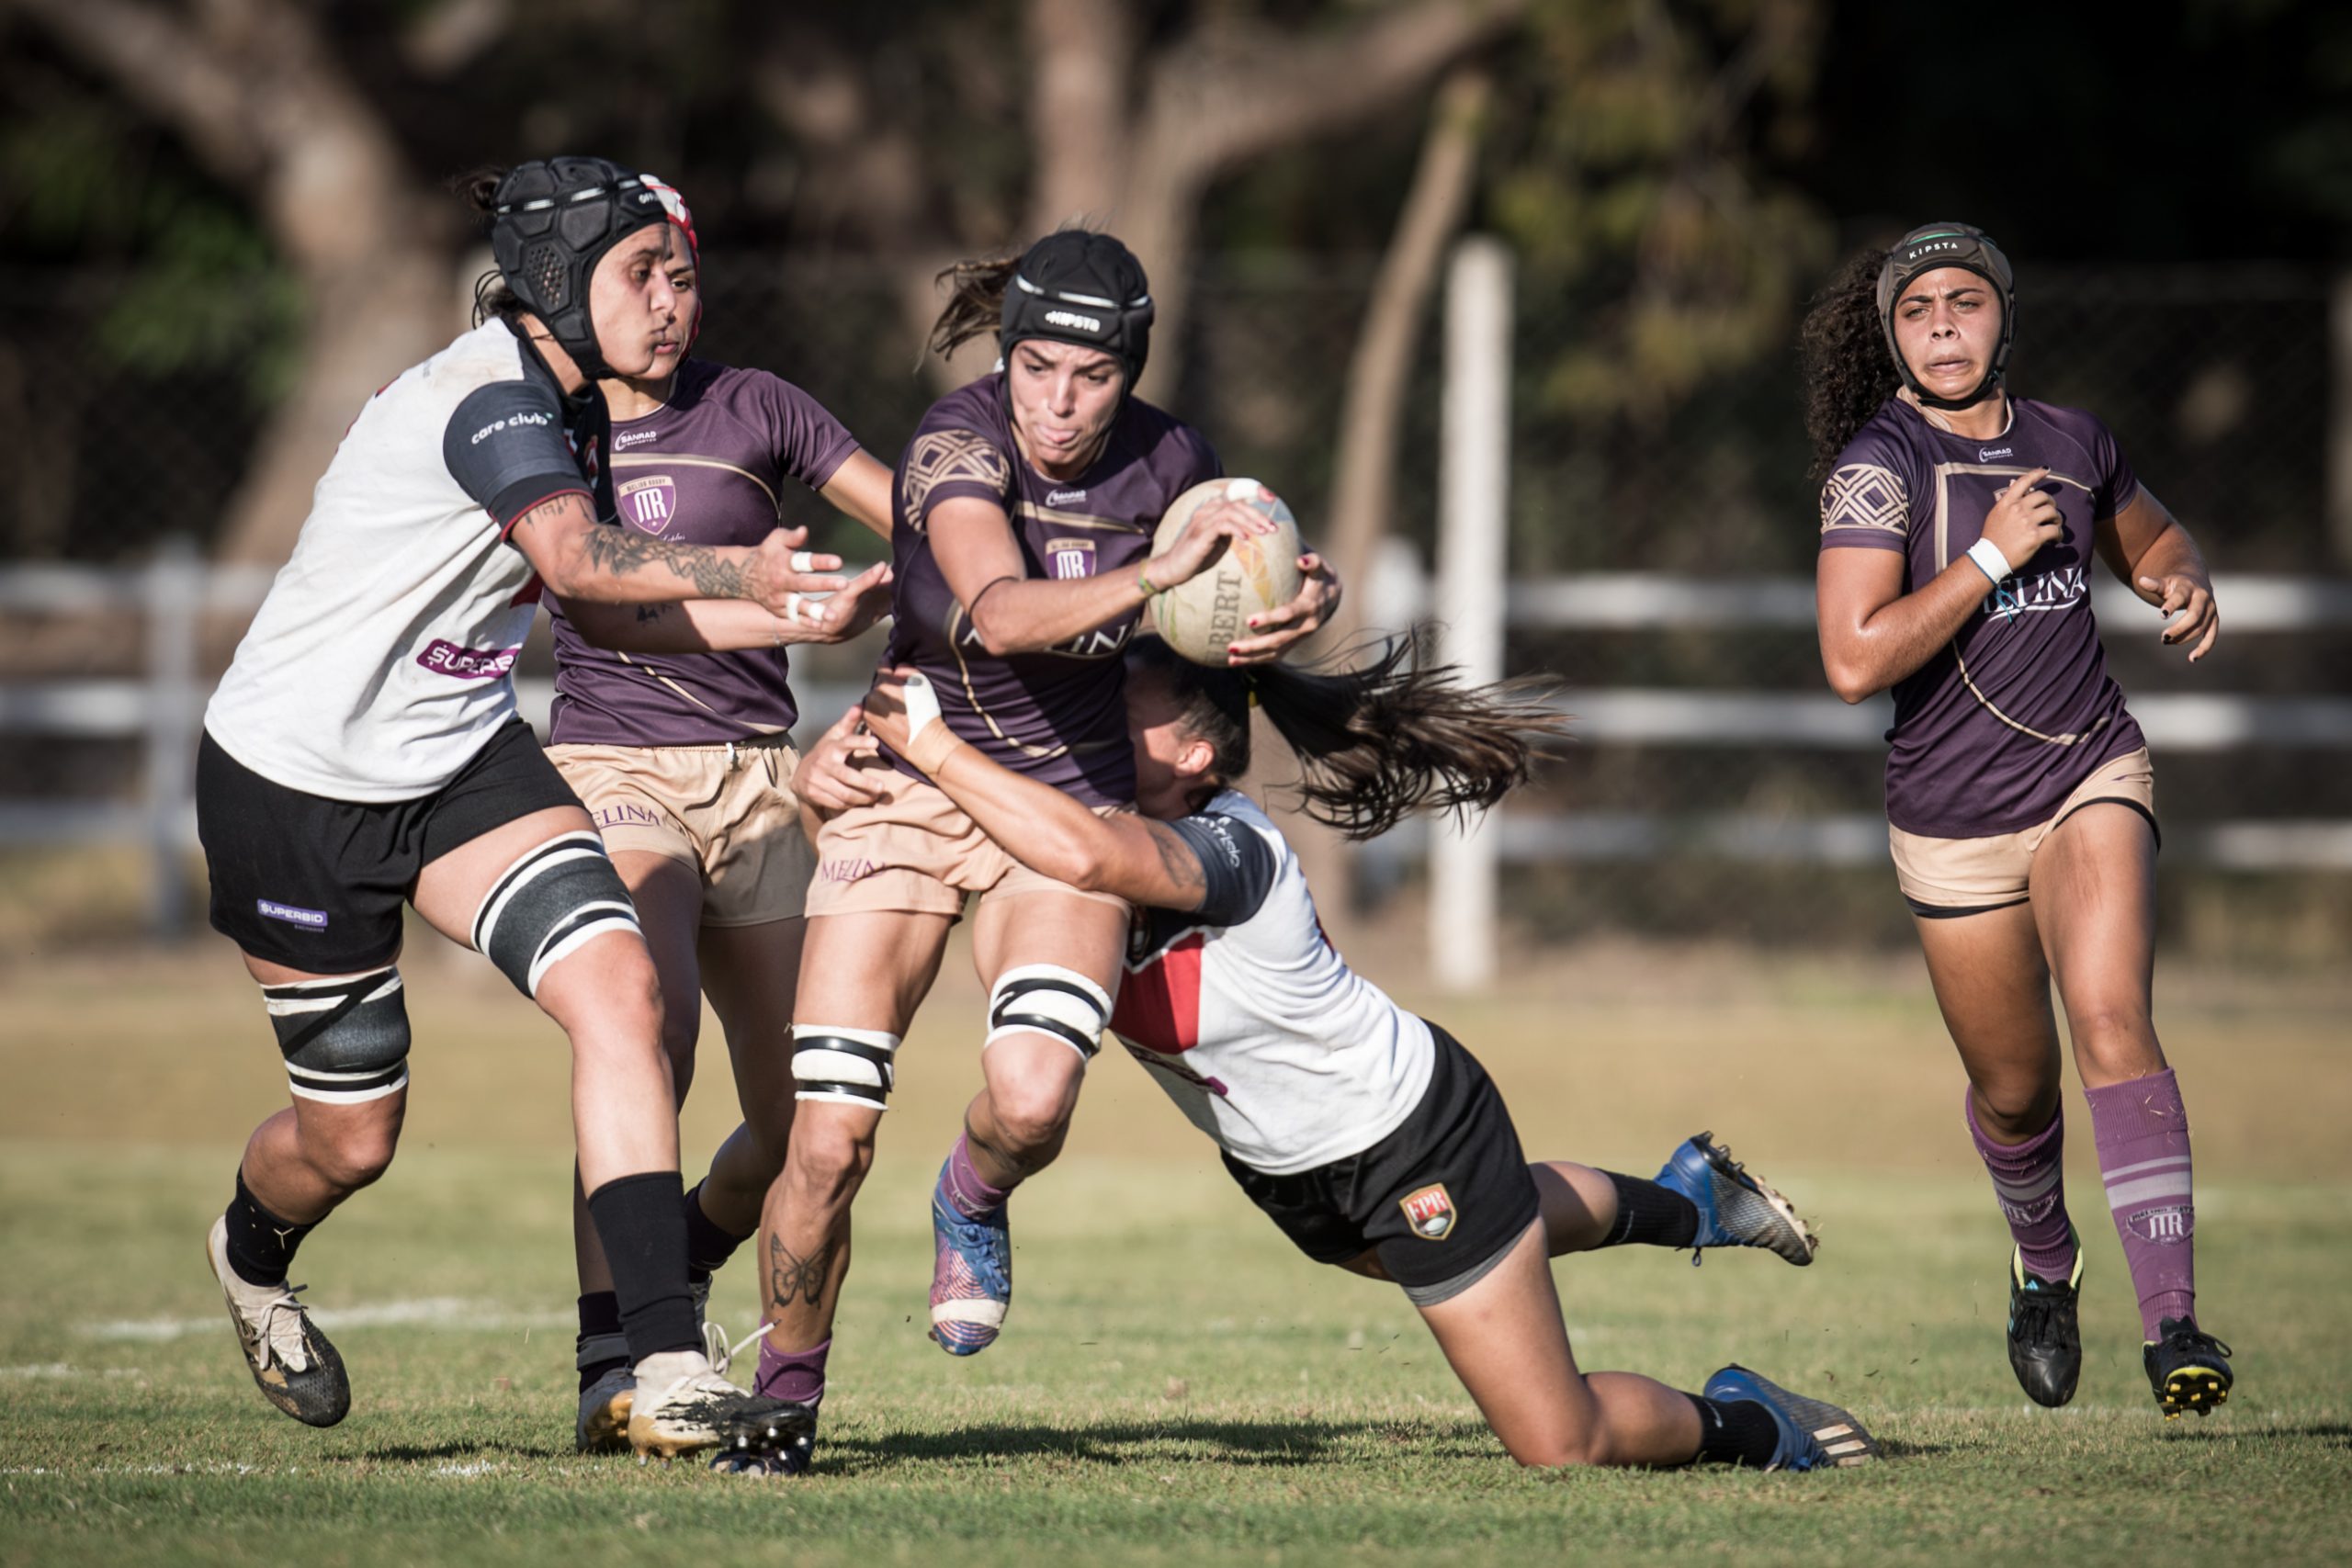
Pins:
x: 1201, y: 616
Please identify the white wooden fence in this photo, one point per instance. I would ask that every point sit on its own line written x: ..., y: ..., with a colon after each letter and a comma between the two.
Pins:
x: 168, y: 601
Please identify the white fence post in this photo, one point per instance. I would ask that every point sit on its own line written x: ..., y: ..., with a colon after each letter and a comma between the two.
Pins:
x: 174, y: 590
x: 1474, y: 524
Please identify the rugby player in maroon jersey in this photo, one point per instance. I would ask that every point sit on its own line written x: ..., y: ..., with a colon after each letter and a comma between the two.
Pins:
x: 673, y: 723
x: 1958, y: 528
x: 1025, y: 508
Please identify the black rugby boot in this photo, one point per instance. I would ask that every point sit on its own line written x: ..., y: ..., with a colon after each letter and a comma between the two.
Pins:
x: 2045, y: 1347
x: 2188, y: 1368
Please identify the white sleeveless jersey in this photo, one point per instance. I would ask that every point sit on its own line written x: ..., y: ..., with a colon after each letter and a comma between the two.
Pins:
x: 381, y: 659
x: 1248, y: 1019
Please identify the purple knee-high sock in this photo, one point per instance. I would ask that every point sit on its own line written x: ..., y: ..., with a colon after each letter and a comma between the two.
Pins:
x: 2029, y: 1181
x: 2143, y: 1132
x: 971, y: 1193
x: 795, y: 1375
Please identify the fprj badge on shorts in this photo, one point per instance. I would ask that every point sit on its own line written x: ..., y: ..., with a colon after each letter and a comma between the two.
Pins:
x: 1429, y: 1211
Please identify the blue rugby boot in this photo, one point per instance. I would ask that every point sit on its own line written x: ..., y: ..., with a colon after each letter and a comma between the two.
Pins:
x: 1813, y: 1436
x: 1734, y: 1208
x: 2045, y: 1347
x: 2188, y: 1368
x: 971, y: 1274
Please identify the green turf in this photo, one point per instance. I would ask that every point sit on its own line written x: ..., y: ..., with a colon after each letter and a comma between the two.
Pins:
x: 1175, y: 1384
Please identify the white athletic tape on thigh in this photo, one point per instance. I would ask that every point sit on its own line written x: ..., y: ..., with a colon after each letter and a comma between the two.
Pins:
x: 847, y: 1067
x: 554, y: 900
x: 1045, y: 998
x: 345, y: 1040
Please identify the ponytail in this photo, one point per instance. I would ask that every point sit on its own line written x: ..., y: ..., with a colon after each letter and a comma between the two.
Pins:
x: 478, y: 188
x: 1374, y: 745
x: 975, y: 301
x: 1849, y: 375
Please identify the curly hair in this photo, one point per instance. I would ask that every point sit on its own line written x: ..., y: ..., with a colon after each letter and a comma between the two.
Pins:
x: 1374, y: 745
x: 1849, y: 374
x: 477, y: 190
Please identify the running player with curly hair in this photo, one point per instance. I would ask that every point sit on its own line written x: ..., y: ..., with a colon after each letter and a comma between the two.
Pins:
x: 1958, y: 527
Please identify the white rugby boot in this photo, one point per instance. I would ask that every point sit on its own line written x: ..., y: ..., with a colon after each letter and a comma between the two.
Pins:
x: 293, y: 1364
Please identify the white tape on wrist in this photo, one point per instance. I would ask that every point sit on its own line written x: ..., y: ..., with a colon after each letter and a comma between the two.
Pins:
x: 1990, y: 560
x: 923, y: 707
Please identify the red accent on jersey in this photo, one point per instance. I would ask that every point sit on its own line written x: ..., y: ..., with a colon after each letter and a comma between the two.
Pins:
x: 530, y: 594
x: 1159, y: 1004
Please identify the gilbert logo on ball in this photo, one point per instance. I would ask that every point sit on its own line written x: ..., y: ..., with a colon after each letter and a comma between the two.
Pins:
x: 1202, y: 615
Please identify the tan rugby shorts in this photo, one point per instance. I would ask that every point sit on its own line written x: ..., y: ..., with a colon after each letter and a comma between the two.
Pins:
x: 1944, y: 878
x: 728, y: 811
x: 914, y: 852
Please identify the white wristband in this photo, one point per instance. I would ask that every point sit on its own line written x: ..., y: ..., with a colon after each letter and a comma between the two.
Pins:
x: 1990, y: 560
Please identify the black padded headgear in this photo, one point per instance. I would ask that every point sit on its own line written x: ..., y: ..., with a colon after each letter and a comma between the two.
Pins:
x: 1933, y: 245
x: 1081, y: 287
x: 554, y: 219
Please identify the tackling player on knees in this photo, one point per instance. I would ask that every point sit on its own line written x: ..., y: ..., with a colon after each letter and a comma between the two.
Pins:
x: 1372, y: 1137
x: 363, y: 751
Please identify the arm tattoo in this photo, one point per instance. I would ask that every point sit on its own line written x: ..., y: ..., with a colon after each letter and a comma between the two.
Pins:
x: 1176, y: 859
x: 792, y: 1278
x: 620, y: 553
x: 650, y: 612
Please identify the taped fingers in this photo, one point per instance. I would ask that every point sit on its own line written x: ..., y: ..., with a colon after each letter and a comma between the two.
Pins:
x: 1045, y: 998
x: 345, y: 1040
x: 545, y: 907
x: 849, y: 1066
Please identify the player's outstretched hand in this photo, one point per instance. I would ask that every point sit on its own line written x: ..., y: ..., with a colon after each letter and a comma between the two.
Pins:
x: 863, y: 601
x: 2191, y: 603
x: 782, y: 574
x: 1203, y: 540
x: 838, y: 770
x: 2023, y: 519
x: 1309, y: 610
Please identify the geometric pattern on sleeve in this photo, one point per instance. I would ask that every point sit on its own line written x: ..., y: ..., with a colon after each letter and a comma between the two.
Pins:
x: 938, y: 457
x: 1863, y: 495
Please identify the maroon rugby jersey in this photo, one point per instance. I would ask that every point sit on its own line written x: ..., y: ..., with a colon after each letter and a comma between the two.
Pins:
x: 1060, y: 715
x: 704, y: 467
x: 1995, y: 731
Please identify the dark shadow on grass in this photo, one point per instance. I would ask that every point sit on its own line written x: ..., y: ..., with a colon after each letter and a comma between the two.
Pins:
x: 1901, y: 1447
x: 1274, y: 1444
x: 2312, y: 1434
x: 413, y: 1453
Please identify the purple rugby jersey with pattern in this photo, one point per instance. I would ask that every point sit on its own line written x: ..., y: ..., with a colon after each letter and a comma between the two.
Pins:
x: 1995, y: 731
x: 1058, y: 716
x: 705, y: 467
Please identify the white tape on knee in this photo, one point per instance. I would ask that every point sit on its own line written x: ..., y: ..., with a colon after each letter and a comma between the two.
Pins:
x: 1045, y: 998
x: 848, y: 1066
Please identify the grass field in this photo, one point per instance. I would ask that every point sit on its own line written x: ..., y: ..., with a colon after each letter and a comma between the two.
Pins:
x: 1175, y: 1384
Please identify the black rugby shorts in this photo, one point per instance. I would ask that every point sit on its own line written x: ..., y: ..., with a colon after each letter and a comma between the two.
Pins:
x: 318, y: 885
x: 1443, y: 1195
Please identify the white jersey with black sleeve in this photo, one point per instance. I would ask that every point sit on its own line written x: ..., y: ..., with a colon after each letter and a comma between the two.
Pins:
x: 1249, y: 1019
x: 381, y: 659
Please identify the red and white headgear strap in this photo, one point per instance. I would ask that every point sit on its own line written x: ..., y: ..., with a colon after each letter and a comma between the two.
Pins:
x: 683, y: 217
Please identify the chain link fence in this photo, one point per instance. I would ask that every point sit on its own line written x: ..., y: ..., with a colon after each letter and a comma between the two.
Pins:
x: 2217, y: 384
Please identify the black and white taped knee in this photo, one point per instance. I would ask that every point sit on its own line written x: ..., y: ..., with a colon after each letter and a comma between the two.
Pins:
x: 345, y: 1040
x: 1045, y: 998
x: 849, y: 1066
x: 555, y: 897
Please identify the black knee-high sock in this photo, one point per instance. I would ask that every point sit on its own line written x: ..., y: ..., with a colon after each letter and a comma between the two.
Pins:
x: 645, y: 1243
x: 1741, y: 1432
x: 707, y: 1247
x: 1650, y: 1215
x: 600, y: 1318
x: 261, y: 1245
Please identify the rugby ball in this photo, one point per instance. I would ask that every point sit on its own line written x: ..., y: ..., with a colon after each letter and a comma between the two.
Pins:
x: 1201, y: 616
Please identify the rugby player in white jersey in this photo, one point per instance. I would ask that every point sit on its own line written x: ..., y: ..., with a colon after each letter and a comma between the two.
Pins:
x: 362, y: 752
x: 1368, y: 1135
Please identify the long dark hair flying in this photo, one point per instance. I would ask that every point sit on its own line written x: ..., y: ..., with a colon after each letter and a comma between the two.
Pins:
x: 1849, y: 374
x: 1374, y: 744
x: 975, y: 301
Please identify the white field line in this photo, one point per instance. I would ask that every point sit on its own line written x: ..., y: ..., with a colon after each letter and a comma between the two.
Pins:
x: 215, y: 1467
x: 63, y: 1370
x: 435, y: 1311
